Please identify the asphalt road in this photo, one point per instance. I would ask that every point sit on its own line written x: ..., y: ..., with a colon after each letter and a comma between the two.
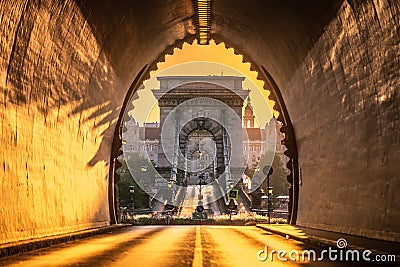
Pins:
x: 191, y: 200
x: 172, y: 246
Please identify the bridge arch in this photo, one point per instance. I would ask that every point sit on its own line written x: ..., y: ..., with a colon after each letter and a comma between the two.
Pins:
x: 215, y: 130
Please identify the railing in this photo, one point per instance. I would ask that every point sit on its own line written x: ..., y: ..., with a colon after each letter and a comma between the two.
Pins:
x: 245, y: 197
x: 155, y: 200
x: 179, y: 198
x: 221, y: 202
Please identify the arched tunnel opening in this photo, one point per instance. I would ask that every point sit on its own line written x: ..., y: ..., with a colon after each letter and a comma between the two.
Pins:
x: 68, y: 69
x: 140, y: 118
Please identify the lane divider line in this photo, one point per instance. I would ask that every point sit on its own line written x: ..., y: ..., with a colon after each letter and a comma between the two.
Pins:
x: 198, y: 250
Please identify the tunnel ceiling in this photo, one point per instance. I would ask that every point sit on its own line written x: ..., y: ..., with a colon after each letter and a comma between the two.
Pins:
x: 274, y: 34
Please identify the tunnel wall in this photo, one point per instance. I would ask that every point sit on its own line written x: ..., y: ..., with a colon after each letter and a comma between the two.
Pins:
x: 336, y: 65
x: 65, y: 70
x: 344, y: 104
x: 56, y: 122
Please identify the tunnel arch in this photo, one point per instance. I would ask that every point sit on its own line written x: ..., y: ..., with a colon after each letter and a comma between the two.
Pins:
x: 289, y: 141
x: 283, y: 117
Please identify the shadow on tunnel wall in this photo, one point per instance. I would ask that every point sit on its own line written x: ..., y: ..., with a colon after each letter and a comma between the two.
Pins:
x: 60, y: 103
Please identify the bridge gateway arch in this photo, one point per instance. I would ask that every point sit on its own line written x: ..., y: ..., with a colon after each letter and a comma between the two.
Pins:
x: 200, y: 119
x: 68, y: 70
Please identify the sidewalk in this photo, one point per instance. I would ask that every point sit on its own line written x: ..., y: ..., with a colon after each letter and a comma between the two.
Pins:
x: 324, y: 239
x: 38, y: 243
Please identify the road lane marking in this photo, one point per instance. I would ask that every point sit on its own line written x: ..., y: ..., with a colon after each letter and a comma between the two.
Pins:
x: 198, y: 250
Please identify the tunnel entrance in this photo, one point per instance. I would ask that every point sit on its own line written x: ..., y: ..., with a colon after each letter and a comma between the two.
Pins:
x: 179, y: 177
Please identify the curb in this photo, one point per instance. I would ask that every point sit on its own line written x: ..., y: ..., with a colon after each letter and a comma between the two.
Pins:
x: 18, y: 247
x: 323, y: 243
x: 319, y: 242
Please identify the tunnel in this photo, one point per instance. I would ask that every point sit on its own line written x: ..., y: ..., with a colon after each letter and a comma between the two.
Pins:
x: 68, y: 69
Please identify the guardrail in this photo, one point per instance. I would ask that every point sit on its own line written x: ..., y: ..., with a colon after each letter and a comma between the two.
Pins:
x: 179, y: 198
x: 246, y: 198
x: 221, y: 202
x: 273, y: 213
x: 155, y: 200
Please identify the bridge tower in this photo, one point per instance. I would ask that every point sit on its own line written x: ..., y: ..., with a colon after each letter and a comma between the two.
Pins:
x: 201, y: 128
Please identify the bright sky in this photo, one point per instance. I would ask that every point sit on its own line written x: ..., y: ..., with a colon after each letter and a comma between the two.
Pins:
x: 203, y: 60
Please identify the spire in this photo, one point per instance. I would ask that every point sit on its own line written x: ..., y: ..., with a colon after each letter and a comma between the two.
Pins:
x: 249, y: 103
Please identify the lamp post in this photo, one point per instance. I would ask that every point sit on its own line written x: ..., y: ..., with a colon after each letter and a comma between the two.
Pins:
x: 131, y: 191
x: 201, y: 181
x: 199, y: 212
x: 143, y: 168
x: 169, y: 197
x: 268, y: 170
x: 146, y: 185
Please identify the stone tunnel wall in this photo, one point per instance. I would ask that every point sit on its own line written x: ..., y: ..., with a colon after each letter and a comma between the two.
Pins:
x: 55, y: 122
x: 336, y: 64
x: 344, y: 103
x: 65, y: 70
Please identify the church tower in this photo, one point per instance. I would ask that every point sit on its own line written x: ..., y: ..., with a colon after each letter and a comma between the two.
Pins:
x: 248, y: 118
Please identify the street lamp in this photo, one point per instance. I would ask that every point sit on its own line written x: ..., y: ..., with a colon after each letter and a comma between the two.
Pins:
x: 143, y: 168
x: 200, y: 154
x: 146, y: 185
x: 200, y: 207
x: 199, y: 151
x: 201, y: 181
x: 268, y: 170
x: 131, y: 191
x: 169, y: 207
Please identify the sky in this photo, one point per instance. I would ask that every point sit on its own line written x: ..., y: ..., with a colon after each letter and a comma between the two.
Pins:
x: 194, y: 59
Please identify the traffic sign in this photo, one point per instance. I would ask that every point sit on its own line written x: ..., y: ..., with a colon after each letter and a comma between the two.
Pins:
x: 199, y: 215
x: 268, y: 170
x: 200, y: 208
x: 233, y: 194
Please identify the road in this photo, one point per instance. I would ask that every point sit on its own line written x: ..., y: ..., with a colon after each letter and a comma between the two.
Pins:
x: 167, y: 246
x: 191, y: 200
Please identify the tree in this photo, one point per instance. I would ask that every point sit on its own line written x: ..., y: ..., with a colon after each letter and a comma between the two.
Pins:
x: 140, y: 167
x: 128, y: 175
x: 278, y: 179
